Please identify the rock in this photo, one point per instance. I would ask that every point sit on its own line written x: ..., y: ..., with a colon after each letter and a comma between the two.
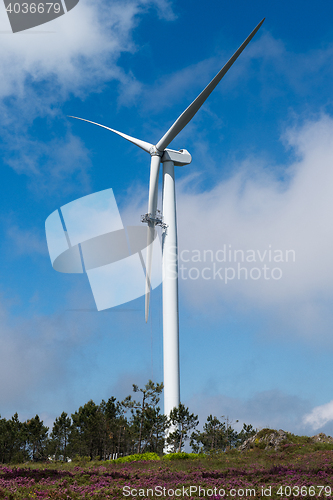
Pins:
x: 265, y: 439
x: 322, y: 438
x: 268, y: 439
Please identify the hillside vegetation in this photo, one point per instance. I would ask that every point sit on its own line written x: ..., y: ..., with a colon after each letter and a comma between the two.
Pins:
x: 300, y: 467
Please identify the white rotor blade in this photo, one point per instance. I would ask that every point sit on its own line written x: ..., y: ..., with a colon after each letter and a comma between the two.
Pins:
x: 152, y: 206
x: 189, y: 112
x: 142, y: 144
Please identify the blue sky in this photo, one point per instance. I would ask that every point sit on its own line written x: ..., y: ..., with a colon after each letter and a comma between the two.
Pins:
x: 257, y: 350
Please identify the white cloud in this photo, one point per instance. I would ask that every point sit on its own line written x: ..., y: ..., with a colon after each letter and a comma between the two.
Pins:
x: 75, y: 54
x: 273, y: 409
x: 81, y: 49
x: 319, y: 416
x: 26, y: 241
x: 253, y: 210
x: 51, y: 164
x: 25, y: 356
x: 256, y: 211
x: 38, y: 359
x: 276, y: 70
x: 174, y: 87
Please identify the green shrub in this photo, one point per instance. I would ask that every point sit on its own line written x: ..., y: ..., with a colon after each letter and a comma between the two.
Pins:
x: 182, y: 455
x: 292, y: 438
x: 232, y: 451
x: 323, y: 446
x: 261, y: 445
x: 81, y: 460
x: 136, y: 457
x: 263, y: 433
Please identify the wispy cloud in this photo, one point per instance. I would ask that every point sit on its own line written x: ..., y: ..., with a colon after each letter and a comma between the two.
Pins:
x: 80, y: 55
x: 172, y: 88
x: 37, y: 354
x: 319, y: 416
x: 273, y: 409
x: 255, y: 210
x: 263, y: 216
x: 276, y: 70
x: 26, y: 241
x: 51, y: 165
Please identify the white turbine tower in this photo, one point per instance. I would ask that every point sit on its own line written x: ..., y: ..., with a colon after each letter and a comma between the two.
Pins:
x: 160, y: 154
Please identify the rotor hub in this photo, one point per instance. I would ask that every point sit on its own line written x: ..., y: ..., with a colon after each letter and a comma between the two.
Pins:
x: 155, y: 152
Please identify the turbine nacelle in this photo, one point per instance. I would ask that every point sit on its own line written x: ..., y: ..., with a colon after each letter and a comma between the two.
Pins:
x: 179, y: 158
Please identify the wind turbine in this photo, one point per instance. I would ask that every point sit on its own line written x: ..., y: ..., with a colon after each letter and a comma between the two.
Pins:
x: 161, y: 154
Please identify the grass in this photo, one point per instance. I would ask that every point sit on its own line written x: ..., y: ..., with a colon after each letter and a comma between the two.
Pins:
x: 281, y: 475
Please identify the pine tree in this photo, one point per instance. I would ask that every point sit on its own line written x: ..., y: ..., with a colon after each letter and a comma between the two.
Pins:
x: 60, y: 435
x: 183, y: 421
x: 141, y: 410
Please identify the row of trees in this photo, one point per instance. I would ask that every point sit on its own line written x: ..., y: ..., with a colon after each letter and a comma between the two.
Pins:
x: 113, y: 427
